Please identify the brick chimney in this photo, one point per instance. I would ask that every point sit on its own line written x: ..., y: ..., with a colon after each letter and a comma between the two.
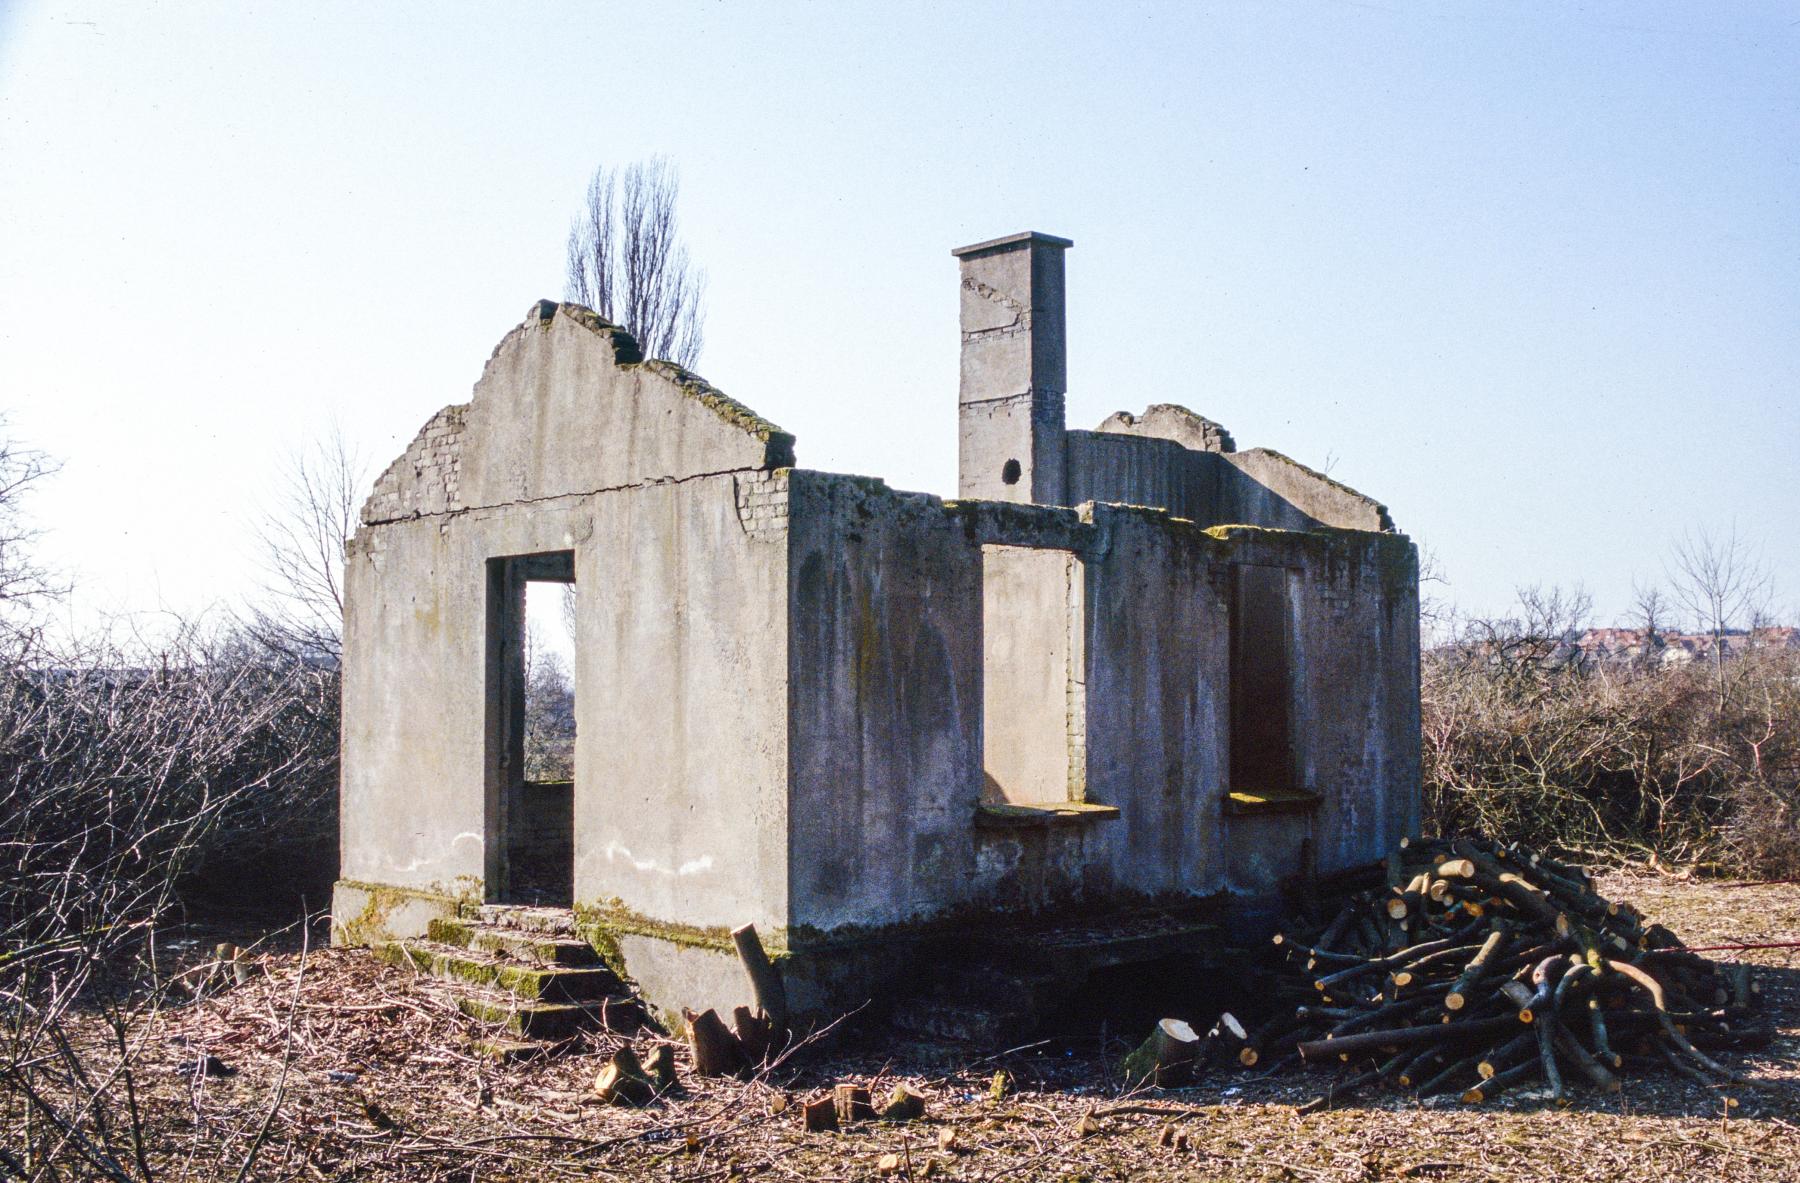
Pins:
x: 1014, y: 369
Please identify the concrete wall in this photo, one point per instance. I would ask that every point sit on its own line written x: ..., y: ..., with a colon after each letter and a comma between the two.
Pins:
x: 884, y: 690
x: 1156, y: 700
x: 564, y: 406
x: 681, y: 698
x: 1255, y: 488
x: 889, y: 638
x: 413, y: 792
x: 1355, y: 680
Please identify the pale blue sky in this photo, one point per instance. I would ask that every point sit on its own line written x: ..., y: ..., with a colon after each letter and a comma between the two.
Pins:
x: 1529, y: 273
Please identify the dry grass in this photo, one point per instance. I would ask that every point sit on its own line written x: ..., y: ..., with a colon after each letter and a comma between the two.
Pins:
x: 379, y: 1085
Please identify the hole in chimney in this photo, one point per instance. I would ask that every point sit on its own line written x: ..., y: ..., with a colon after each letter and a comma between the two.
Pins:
x: 1009, y: 472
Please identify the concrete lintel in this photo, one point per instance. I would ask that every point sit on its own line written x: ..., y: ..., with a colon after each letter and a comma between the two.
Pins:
x: 1011, y: 523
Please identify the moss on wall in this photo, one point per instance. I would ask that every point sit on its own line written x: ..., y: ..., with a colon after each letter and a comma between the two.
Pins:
x: 370, y: 924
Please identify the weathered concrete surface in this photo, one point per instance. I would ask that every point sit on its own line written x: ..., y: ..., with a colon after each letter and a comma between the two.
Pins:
x: 1213, y: 488
x: 563, y: 407
x: 661, y: 489
x: 1014, y: 369
x: 1273, y: 478
x: 681, y: 697
x: 1171, y: 422
x: 885, y: 702
x: 365, y: 912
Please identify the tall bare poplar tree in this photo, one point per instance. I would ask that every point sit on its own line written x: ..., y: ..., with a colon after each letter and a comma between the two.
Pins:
x: 626, y: 260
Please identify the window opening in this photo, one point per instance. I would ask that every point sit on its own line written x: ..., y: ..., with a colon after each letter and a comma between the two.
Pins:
x: 1262, y: 749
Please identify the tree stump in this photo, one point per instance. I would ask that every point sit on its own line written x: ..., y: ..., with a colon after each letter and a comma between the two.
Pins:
x: 715, y: 1049
x: 1167, y: 1057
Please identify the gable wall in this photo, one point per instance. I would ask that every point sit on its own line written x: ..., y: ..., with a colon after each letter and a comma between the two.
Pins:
x: 662, y: 489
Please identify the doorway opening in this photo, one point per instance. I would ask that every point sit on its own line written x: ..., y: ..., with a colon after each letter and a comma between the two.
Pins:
x: 530, y: 800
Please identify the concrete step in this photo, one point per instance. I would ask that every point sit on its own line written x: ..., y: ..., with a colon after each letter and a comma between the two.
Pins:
x: 532, y: 983
x: 960, y: 1022
x: 538, y: 948
x: 989, y: 985
x: 1077, y: 949
x: 533, y: 1020
x: 528, y: 918
x: 504, y: 1050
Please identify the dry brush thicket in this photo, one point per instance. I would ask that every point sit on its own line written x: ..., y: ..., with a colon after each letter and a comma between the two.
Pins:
x: 126, y: 779
x: 1617, y: 760
x: 132, y: 775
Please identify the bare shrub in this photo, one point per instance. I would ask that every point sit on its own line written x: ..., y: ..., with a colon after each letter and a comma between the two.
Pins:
x: 24, y: 583
x: 1525, y: 737
x: 122, y: 773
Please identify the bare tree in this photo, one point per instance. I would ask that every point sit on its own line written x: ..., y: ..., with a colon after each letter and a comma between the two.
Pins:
x: 1651, y: 609
x: 1720, y: 581
x: 626, y: 261
x: 302, y: 539
x: 549, y: 712
x: 23, y: 583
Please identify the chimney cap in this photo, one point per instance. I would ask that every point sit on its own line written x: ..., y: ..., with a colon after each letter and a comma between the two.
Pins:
x: 1013, y: 241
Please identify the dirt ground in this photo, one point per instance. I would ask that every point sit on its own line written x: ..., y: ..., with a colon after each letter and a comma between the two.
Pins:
x: 376, y: 1082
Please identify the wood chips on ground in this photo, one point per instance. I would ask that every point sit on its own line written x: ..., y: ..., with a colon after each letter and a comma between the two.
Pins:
x: 380, y: 1084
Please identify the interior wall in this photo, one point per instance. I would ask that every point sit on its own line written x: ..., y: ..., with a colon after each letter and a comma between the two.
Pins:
x: 1032, y: 641
x: 1258, y: 487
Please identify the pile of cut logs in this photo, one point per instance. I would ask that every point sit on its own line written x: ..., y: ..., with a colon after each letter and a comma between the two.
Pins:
x: 1474, y: 967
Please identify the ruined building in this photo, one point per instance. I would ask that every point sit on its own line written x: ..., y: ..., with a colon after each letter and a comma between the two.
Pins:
x: 1125, y: 671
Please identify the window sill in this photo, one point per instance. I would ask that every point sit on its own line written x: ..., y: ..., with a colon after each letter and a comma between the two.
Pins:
x: 997, y: 816
x: 1257, y: 802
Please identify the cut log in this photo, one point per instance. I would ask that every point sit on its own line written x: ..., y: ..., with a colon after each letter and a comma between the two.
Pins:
x: 624, y: 1082
x: 1226, y: 1039
x: 753, y: 1034
x: 765, y: 979
x: 853, y: 1104
x: 1492, y: 1087
x: 1571, y: 1049
x: 1519, y: 1047
x: 1491, y: 950
x: 1521, y: 996
x: 819, y: 1114
x: 1339, y: 925
x: 1167, y: 1058
x: 715, y: 1049
x: 1456, y: 1070
x: 1671, y: 1033
x: 1317, y: 1050
x: 905, y: 1103
x: 662, y: 1068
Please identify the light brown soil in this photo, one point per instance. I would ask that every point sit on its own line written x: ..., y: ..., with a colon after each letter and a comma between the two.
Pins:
x: 380, y: 1085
